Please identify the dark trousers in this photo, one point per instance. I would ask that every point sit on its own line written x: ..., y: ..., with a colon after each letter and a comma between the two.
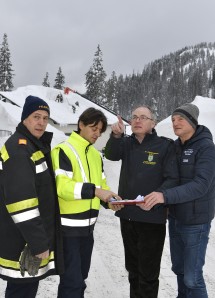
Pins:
x: 143, y: 244
x: 27, y: 290
x: 77, y: 259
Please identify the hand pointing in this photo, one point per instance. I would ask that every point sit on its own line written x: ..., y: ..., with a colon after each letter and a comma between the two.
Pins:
x: 118, y: 127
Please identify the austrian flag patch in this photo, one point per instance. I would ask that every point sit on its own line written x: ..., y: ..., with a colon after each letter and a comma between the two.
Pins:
x: 22, y: 142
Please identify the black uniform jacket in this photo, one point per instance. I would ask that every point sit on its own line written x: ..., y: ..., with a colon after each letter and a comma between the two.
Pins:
x: 146, y: 167
x: 29, y: 212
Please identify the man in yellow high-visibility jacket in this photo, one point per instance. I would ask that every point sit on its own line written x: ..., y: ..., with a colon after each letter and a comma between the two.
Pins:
x: 81, y: 184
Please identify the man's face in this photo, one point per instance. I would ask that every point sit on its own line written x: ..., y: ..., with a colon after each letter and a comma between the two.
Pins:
x: 37, y: 122
x: 141, y: 122
x: 90, y: 132
x: 182, y: 127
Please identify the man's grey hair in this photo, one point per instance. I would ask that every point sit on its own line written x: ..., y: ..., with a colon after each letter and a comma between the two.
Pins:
x: 152, y: 112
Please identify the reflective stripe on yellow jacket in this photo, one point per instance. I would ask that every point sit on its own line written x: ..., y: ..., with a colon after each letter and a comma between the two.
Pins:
x: 78, y: 170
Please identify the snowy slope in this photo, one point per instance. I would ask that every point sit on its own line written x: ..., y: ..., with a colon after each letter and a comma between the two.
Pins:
x: 206, y: 117
x: 62, y: 113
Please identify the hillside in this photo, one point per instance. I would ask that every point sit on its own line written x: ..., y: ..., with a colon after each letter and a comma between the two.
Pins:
x: 168, y: 82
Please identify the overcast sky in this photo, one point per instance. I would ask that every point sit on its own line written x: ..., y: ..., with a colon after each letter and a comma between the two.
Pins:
x: 44, y: 35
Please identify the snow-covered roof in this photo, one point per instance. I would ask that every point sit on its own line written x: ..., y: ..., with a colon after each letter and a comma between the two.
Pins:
x: 10, y: 116
x: 64, y: 113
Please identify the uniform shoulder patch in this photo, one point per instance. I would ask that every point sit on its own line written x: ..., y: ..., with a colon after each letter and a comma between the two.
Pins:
x: 22, y: 142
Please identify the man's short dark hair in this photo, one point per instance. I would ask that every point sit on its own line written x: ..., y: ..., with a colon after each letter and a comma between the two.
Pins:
x: 93, y: 116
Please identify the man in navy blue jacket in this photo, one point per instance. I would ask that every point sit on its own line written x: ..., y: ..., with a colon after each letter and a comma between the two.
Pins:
x: 192, y: 204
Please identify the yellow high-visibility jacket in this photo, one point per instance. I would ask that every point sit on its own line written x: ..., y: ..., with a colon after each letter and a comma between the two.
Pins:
x: 78, y: 170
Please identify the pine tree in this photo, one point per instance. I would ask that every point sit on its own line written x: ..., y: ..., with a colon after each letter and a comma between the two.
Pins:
x: 95, y: 79
x: 59, y: 80
x: 5, y: 67
x: 110, y: 93
x: 122, y: 97
x: 45, y: 82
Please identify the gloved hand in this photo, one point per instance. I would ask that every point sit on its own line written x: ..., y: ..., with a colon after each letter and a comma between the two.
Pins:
x: 28, y: 262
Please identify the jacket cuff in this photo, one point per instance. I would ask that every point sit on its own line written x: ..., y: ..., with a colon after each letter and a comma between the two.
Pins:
x: 165, y: 198
x: 88, y: 191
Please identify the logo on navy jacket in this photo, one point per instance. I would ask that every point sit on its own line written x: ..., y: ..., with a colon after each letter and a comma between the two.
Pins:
x: 151, y: 156
x: 187, y: 153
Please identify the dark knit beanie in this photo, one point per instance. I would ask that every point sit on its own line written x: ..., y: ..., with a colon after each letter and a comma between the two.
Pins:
x: 189, y: 112
x: 32, y: 104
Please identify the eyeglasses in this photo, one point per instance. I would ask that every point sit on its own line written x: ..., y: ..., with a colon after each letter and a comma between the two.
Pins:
x: 140, y: 118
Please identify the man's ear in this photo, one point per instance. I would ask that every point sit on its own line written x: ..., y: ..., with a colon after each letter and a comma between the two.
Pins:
x: 81, y: 125
x: 154, y: 123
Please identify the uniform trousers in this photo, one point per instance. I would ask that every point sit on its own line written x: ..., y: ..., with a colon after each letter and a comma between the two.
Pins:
x: 143, y: 245
x: 77, y: 260
x: 26, y: 290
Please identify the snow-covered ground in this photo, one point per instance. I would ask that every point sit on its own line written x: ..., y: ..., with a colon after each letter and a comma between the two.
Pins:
x: 108, y: 277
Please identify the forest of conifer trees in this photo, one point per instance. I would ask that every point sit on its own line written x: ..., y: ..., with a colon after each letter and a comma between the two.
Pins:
x: 163, y: 84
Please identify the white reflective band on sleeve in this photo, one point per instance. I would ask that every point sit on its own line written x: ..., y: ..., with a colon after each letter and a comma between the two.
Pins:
x: 103, y: 175
x: 77, y: 190
x: 63, y: 172
x: 41, y: 167
x: 78, y: 222
x: 16, y: 273
x: 26, y: 215
x: 1, y: 165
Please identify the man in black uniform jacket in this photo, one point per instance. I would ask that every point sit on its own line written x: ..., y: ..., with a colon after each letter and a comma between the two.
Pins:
x: 29, y: 212
x: 148, y: 164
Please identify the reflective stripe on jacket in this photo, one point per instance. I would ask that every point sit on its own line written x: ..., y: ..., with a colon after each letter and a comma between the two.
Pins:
x: 78, y: 170
x: 29, y: 211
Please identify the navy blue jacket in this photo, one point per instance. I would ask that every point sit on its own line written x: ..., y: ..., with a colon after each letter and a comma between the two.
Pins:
x: 146, y: 167
x: 193, y: 202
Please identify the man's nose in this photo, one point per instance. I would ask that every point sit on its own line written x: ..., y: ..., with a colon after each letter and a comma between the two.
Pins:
x: 98, y: 133
x: 42, y: 121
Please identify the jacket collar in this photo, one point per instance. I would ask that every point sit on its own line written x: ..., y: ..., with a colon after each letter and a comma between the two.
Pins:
x: 202, y: 132
x: 147, y: 137
x: 43, y: 143
x: 75, y: 137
